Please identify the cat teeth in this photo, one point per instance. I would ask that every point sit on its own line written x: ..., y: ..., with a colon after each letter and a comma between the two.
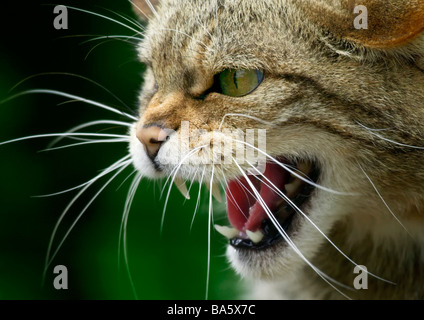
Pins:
x: 216, y: 192
x: 230, y: 233
x: 181, y: 186
x: 227, y: 232
x: 256, y: 236
x: 293, y: 187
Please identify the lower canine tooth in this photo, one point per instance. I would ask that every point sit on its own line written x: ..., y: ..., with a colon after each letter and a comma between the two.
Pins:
x: 227, y: 232
x: 216, y: 192
x: 256, y: 236
x: 181, y: 186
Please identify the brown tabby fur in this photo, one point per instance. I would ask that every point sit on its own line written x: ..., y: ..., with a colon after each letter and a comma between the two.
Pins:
x: 332, y: 93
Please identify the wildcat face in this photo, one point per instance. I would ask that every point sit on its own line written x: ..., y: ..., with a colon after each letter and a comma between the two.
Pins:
x: 343, y: 117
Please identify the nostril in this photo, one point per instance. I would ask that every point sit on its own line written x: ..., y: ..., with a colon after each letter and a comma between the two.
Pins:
x: 152, y: 137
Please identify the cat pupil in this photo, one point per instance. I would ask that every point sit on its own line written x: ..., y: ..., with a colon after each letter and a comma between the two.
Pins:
x: 235, y: 79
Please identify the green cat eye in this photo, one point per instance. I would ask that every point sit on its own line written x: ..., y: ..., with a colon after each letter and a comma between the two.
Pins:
x: 239, y: 82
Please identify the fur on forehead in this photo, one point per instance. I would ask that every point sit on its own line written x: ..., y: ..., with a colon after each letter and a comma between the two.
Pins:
x: 395, y: 29
x: 227, y: 34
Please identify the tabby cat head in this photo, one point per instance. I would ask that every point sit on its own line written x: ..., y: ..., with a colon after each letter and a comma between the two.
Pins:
x: 341, y: 109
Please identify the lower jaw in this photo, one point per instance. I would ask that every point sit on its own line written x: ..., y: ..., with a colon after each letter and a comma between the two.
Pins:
x: 270, y: 263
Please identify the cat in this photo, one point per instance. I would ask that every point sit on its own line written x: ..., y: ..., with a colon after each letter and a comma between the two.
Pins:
x: 337, y: 86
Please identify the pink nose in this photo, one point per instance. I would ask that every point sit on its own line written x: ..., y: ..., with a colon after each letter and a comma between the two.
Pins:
x: 152, y: 137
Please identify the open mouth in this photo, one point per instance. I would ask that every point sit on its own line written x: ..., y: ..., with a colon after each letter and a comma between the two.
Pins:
x: 256, y: 203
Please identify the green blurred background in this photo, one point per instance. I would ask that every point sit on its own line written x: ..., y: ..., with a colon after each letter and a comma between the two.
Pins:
x: 167, y: 265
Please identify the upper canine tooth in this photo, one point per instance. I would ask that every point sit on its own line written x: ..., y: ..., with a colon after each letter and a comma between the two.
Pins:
x: 216, y: 192
x: 227, y: 232
x: 181, y: 186
x: 256, y: 236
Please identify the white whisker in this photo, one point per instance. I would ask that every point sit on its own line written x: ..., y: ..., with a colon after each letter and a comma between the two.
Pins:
x: 71, y: 96
x: 123, y: 229
x: 152, y: 8
x: 111, y: 37
x: 139, y: 9
x: 79, y: 134
x: 107, y: 18
x: 95, y: 47
x: 294, y: 173
x: 86, y: 143
x: 125, y: 180
x: 233, y: 200
x: 123, y: 167
x: 372, y: 131
x: 283, y: 233
x: 273, y: 187
x: 174, y: 174
x: 384, y: 202
x: 119, y: 164
x: 209, y: 231
x: 72, y: 75
x: 198, y: 197
x: 90, y: 124
x: 91, y: 181
x: 192, y: 178
x: 128, y: 19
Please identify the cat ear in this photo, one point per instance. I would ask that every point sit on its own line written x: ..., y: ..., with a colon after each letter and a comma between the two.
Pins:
x: 145, y: 9
x: 375, y: 24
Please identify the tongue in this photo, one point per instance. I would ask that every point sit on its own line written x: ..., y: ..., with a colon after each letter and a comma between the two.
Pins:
x: 244, y: 212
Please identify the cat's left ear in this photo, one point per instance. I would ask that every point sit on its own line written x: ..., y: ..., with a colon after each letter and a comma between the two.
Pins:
x: 391, y: 23
x: 374, y: 24
x: 145, y: 9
